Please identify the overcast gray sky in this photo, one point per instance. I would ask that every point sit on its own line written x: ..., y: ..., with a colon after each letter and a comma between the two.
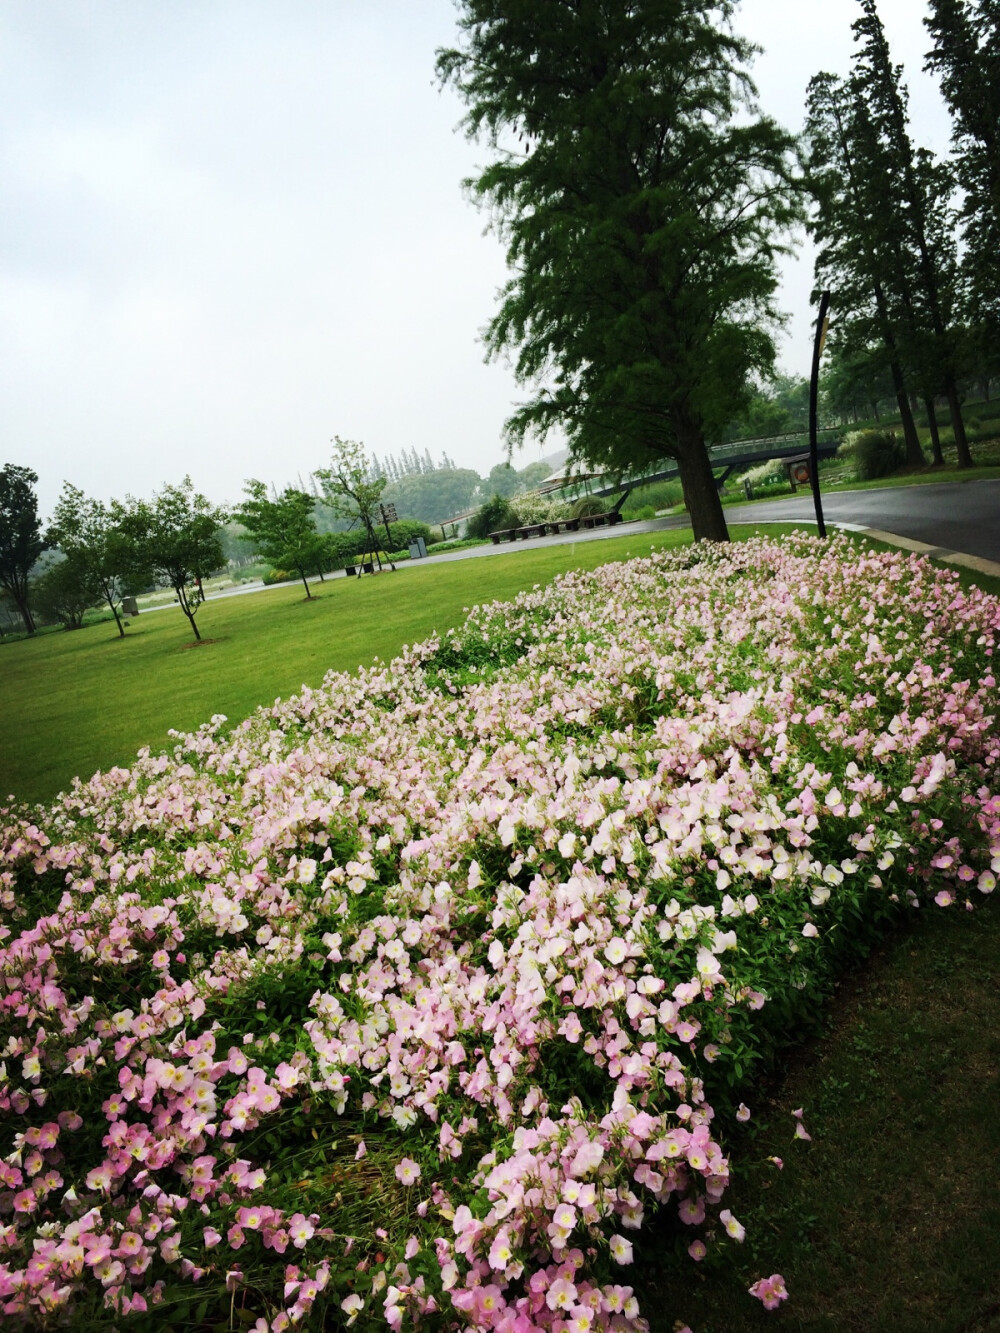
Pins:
x: 231, y: 229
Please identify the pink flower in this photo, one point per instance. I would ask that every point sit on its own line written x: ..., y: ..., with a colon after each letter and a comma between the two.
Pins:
x: 734, y: 1228
x: 770, y: 1290
x: 621, y: 1249
x: 407, y: 1171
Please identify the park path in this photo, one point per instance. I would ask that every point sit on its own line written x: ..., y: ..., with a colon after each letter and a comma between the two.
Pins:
x: 954, y: 521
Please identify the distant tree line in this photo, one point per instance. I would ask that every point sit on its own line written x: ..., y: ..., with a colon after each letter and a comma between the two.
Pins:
x: 94, y: 553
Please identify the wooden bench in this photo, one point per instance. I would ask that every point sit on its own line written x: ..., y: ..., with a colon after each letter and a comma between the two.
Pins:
x: 555, y: 526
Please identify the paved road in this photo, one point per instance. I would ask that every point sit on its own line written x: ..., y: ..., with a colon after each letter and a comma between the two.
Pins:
x: 955, y: 517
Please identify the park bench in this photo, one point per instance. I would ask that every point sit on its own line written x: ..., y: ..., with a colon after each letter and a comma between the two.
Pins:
x: 553, y: 528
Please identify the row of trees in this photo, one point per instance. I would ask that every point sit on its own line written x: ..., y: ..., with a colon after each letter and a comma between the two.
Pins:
x: 888, y: 230
x: 107, y: 552
x: 644, y: 201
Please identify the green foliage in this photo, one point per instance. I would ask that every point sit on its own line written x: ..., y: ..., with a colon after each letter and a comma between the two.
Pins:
x: 892, y: 270
x: 495, y: 515
x: 179, y: 536
x: 641, y: 223
x: 21, y: 540
x: 350, y: 491
x: 874, y: 453
x: 967, y: 56
x: 283, y: 528
x: 432, y: 497
x: 66, y: 591
x: 587, y: 506
x: 99, y: 537
x: 659, y: 495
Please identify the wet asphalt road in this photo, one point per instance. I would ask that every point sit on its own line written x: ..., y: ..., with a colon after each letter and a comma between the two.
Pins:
x: 956, y: 516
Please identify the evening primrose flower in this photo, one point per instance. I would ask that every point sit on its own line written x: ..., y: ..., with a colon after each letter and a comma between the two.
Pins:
x: 771, y: 1291
x: 407, y: 1171
x: 621, y: 1249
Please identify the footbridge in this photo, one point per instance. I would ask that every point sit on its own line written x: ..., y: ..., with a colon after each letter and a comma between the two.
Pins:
x: 572, y: 483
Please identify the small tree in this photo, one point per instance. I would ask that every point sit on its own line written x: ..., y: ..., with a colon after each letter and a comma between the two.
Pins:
x: 21, y: 540
x: 283, y: 529
x: 97, y: 537
x: 66, y: 591
x: 350, y: 488
x: 179, y: 534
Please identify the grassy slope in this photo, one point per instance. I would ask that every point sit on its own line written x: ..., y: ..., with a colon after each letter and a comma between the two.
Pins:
x: 888, y: 1221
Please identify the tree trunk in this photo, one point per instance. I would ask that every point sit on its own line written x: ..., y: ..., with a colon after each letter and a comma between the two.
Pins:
x: 305, y: 584
x: 914, y: 453
x: 957, y: 424
x: 110, y: 599
x: 186, y: 608
x: 701, y: 495
x: 25, y: 613
x: 932, y: 426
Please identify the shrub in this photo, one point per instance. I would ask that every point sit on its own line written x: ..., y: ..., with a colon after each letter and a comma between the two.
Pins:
x: 771, y: 473
x: 658, y: 495
x: 272, y: 576
x: 587, y: 506
x: 874, y: 453
x: 64, y: 593
x: 496, y: 513
x: 539, y: 509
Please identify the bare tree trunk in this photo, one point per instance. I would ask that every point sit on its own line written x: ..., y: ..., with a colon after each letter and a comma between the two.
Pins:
x: 932, y: 426
x: 25, y: 612
x: 958, y: 424
x: 305, y: 584
x: 186, y: 608
x: 914, y: 453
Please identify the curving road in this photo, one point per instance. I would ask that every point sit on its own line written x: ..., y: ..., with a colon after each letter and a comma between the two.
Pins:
x: 959, y: 516
x: 951, y: 518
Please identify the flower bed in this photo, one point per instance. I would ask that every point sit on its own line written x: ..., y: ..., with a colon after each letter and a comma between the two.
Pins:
x: 409, y: 999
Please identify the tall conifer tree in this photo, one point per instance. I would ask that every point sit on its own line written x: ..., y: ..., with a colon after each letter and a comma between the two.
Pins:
x: 643, y: 200
x: 966, y: 54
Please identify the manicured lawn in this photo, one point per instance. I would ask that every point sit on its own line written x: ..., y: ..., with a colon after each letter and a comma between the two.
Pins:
x: 73, y: 703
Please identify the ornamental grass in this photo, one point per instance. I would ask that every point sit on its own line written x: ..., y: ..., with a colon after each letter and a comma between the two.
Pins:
x: 411, y: 999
